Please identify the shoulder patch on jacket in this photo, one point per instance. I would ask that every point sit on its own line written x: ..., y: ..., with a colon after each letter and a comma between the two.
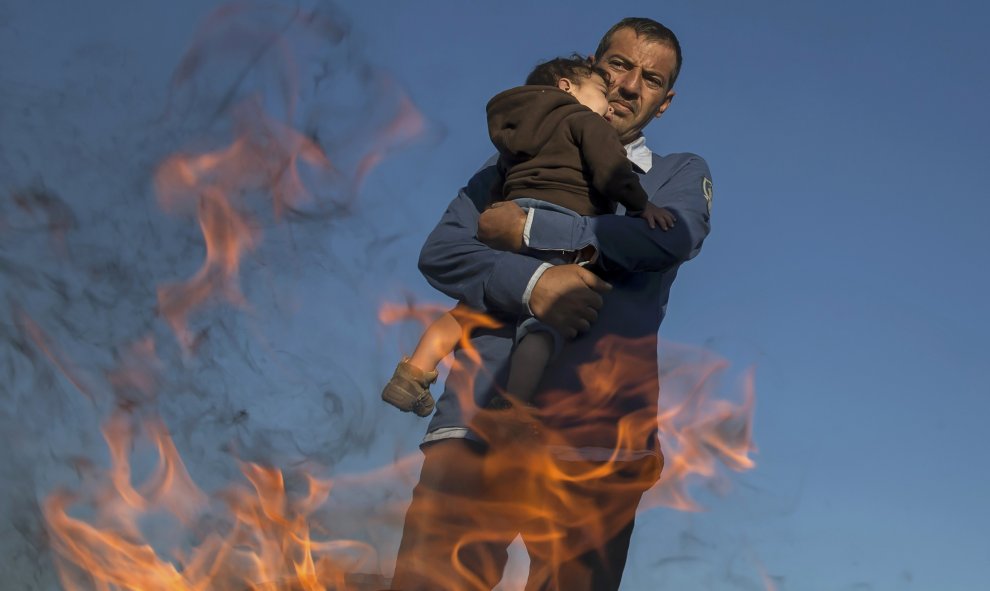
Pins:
x: 706, y: 189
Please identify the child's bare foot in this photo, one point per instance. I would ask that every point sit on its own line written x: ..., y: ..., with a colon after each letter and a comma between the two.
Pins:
x: 409, y: 389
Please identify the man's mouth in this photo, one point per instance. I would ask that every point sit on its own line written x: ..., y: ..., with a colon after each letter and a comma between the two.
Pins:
x: 620, y: 106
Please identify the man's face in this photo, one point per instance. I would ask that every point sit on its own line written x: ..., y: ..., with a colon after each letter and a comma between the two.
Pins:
x: 640, y: 90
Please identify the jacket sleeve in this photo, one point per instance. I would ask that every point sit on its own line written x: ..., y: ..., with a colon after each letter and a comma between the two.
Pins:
x: 456, y: 263
x: 628, y: 243
x: 605, y: 160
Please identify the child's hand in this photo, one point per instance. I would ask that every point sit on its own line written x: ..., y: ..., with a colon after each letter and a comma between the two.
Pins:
x: 658, y: 216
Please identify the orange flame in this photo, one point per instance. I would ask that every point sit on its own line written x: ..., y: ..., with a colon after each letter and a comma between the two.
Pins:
x: 267, y: 544
x: 565, y: 504
x: 266, y: 155
x: 700, y: 431
x: 264, y: 158
x: 268, y: 538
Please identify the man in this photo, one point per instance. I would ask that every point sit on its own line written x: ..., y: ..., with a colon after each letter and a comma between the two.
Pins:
x: 573, y: 500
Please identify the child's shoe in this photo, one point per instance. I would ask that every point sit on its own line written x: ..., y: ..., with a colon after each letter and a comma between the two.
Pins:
x: 409, y: 389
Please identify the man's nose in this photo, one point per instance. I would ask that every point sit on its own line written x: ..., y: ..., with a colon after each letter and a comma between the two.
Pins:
x: 629, y: 83
x: 609, y: 112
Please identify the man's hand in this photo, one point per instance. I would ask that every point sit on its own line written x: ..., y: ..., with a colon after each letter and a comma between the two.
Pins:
x: 501, y: 226
x: 568, y: 297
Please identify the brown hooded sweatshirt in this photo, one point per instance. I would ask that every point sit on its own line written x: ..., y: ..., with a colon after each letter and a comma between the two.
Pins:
x: 555, y: 149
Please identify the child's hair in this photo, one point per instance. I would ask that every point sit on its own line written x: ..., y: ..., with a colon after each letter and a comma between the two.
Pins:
x: 550, y: 72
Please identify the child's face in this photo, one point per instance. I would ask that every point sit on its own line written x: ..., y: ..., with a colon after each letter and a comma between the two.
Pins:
x: 591, y: 92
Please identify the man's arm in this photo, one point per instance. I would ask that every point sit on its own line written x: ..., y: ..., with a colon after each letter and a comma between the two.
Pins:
x: 457, y: 264
x: 624, y: 242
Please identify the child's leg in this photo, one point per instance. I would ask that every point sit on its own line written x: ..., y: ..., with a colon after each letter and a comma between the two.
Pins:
x: 409, y: 388
x: 527, y: 364
x: 510, y: 419
x: 437, y: 342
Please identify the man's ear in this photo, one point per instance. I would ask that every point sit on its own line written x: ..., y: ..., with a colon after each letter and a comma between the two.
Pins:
x: 564, y: 84
x: 665, y: 104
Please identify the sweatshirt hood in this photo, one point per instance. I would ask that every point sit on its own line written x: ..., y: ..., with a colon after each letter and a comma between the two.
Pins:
x: 522, y: 119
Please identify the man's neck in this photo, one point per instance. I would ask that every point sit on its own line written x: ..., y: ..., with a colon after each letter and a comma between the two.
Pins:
x: 634, y: 139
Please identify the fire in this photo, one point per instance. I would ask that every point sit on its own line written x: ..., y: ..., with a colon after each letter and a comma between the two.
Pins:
x: 264, y: 158
x: 111, y: 552
x: 268, y: 155
x: 698, y: 429
x: 265, y: 541
x: 264, y: 533
x: 564, y: 504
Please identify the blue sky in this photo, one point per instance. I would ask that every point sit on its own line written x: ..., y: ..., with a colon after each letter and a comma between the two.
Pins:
x: 847, y: 260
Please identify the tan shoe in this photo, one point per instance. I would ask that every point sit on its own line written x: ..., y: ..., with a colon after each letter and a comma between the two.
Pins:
x: 409, y: 389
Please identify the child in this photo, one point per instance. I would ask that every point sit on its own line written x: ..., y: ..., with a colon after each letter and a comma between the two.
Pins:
x: 556, y: 149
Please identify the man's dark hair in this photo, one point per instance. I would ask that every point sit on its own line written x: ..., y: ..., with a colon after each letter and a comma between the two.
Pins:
x: 573, y: 67
x: 649, y: 29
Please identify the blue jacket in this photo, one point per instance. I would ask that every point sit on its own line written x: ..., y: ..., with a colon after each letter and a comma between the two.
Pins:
x: 641, y: 265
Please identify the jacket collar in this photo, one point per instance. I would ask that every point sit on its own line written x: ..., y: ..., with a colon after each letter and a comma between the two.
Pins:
x: 639, y: 154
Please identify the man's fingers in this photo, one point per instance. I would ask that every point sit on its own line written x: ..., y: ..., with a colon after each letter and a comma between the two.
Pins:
x: 584, y: 315
x: 595, y: 282
x: 568, y: 297
x: 582, y: 325
x: 593, y: 300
